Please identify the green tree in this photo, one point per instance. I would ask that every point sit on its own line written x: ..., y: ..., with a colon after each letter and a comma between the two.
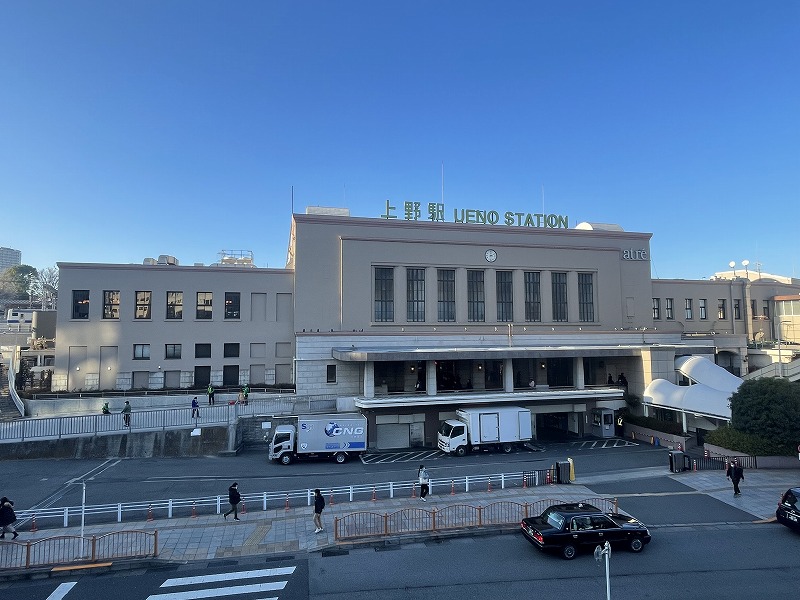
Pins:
x: 768, y: 408
x: 17, y: 281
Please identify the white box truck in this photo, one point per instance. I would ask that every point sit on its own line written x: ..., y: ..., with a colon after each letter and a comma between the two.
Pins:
x: 488, y: 427
x: 337, y: 436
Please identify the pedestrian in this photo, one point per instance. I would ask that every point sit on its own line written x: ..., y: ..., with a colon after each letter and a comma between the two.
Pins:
x: 735, y: 473
x: 233, y: 499
x: 210, y: 393
x: 424, y: 482
x: 240, y: 397
x: 106, y: 410
x: 621, y: 380
x: 195, y: 408
x: 610, y: 379
x: 319, y: 504
x: 7, y: 518
x: 126, y: 413
x: 246, y: 392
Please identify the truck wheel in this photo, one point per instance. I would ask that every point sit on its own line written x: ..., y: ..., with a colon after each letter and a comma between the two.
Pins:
x: 636, y: 544
x: 568, y: 552
x: 286, y: 459
x: 340, y: 457
x: 507, y: 448
x: 461, y: 451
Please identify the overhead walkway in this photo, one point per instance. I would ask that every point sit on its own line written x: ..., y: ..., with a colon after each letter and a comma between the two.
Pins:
x: 790, y: 371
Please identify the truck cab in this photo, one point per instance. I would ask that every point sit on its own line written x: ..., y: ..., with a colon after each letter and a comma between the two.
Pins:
x: 283, y: 443
x: 452, y: 437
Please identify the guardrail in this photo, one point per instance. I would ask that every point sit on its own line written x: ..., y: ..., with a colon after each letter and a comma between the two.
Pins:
x: 71, y: 549
x: 192, y: 507
x: 50, y: 428
x: 366, y: 524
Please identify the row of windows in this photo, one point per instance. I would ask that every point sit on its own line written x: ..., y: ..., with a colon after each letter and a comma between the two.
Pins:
x: 143, y: 302
x: 702, y: 305
x: 476, y: 296
x: 174, y: 351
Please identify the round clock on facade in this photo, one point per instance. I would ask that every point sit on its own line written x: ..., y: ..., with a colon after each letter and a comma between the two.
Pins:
x: 491, y: 255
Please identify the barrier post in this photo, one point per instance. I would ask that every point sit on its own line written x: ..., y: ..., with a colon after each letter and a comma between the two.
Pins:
x: 374, y: 496
x: 489, y: 488
x: 33, y: 523
x: 331, y: 502
x: 194, y: 509
x: 413, y: 490
x: 287, y: 502
x: 524, y: 481
x: 244, y: 508
x: 150, y: 513
x: 452, y: 487
x: 694, y: 465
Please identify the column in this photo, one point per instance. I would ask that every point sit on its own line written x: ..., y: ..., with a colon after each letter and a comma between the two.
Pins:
x: 369, y: 379
x: 508, y: 375
x: 430, y: 377
x: 577, y: 373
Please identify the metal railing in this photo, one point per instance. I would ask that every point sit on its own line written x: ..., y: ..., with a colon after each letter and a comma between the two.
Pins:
x: 720, y: 463
x: 72, y: 549
x: 366, y: 524
x: 50, y: 428
x: 192, y: 507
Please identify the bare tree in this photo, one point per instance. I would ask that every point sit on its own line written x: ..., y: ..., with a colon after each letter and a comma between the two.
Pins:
x: 45, y: 287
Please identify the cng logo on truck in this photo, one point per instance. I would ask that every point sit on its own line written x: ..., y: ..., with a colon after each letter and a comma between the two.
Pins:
x: 333, y: 429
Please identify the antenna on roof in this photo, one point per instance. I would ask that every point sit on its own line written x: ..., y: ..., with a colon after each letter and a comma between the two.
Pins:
x: 442, y: 182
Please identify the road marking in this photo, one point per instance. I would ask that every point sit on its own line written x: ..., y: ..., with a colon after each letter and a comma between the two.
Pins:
x: 62, y: 590
x: 228, y: 576
x: 223, y: 591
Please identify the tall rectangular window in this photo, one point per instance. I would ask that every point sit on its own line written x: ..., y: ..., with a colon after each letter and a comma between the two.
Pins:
x: 143, y: 302
x: 415, y: 295
x: 669, y: 309
x: 737, y: 309
x: 476, y: 296
x: 232, y: 305
x: 175, y: 305
x: 384, y: 294
x: 230, y: 350
x: 330, y: 374
x: 533, y: 297
x: 111, y: 304
x: 202, y: 350
x: 204, y: 305
x: 586, y: 297
x: 703, y: 309
x: 656, y: 308
x: 172, y: 351
x: 722, y: 313
x: 505, y: 296
x: 752, y: 309
x: 446, y: 286
x: 689, y: 310
x: 766, y: 309
x: 559, y: 289
x: 80, y: 304
x: 141, y: 352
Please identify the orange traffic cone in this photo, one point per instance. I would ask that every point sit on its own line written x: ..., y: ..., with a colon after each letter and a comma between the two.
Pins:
x: 244, y: 508
x: 413, y: 490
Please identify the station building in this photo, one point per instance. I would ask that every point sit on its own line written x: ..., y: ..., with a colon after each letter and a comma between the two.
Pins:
x: 407, y: 319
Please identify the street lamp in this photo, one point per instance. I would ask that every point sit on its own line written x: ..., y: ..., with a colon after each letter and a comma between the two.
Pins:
x: 599, y: 553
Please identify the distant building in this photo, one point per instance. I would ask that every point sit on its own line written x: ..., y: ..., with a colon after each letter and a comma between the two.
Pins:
x: 9, y: 258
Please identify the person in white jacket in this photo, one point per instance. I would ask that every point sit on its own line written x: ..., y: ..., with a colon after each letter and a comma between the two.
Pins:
x: 424, y: 482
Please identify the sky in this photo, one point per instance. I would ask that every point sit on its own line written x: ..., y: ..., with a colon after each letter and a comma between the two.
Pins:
x: 131, y: 129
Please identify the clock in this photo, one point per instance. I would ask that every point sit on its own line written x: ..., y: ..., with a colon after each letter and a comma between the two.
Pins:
x: 491, y: 255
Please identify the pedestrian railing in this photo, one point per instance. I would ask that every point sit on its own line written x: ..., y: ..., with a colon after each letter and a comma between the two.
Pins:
x: 368, y: 524
x: 67, y: 516
x: 72, y: 549
x: 719, y: 462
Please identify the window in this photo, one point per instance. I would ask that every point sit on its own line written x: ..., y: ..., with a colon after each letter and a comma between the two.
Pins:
x: 143, y: 300
x: 230, y: 350
x: 174, y: 305
x: 446, y: 282
x: 505, y: 296
x: 476, y: 297
x: 80, y: 304
x: 752, y: 309
x: 689, y: 312
x: 172, y: 351
x: 202, y: 350
x: 737, y: 309
x: 559, y: 286
x: 111, y: 304
x: 656, y: 308
x: 722, y: 313
x: 384, y: 294
x: 415, y: 296
x: 703, y: 309
x: 204, y: 303
x: 141, y: 352
x: 232, y: 303
x: 331, y: 374
x: 586, y: 297
x: 533, y: 297
x: 766, y: 309
x: 669, y: 309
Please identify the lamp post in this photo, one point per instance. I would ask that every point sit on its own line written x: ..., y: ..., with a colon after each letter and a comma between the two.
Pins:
x: 599, y: 553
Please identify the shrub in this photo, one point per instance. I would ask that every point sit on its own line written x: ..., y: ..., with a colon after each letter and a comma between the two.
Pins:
x: 747, y: 443
x: 656, y: 424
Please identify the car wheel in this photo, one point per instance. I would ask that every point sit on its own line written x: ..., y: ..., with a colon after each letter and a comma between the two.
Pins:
x: 286, y: 459
x: 340, y: 457
x: 507, y: 448
x: 461, y: 451
x: 568, y: 552
x: 636, y: 544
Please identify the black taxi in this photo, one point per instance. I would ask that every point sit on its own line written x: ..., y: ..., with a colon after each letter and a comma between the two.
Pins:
x: 788, y: 512
x: 569, y: 528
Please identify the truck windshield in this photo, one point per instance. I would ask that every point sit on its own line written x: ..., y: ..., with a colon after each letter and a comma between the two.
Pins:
x: 280, y: 438
x: 445, y: 429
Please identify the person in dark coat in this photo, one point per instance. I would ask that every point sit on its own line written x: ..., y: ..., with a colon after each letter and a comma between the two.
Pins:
x: 7, y: 518
x: 195, y: 408
x: 735, y: 473
x: 319, y: 504
x: 233, y: 499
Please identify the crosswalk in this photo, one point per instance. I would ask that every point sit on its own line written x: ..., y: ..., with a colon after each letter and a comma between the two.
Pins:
x: 601, y: 444
x: 408, y: 456
x: 235, y: 583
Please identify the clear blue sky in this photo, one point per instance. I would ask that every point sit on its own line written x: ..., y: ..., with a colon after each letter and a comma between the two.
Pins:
x: 130, y: 129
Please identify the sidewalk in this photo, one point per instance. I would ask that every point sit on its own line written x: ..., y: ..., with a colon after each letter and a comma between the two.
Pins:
x: 287, y: 531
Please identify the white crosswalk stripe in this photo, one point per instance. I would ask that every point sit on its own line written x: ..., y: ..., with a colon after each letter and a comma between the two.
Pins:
x: 218, y: 592
x: 203, y: 585
x: 200, y: 579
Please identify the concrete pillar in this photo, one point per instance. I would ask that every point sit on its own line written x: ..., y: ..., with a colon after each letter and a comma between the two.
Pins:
x: 508, y: 375
x: 430, y: 377
x: 369, y: 379
x: 577, y: 372
x: 683, y: 420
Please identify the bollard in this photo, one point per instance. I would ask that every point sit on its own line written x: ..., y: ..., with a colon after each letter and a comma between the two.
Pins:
x: 374, y: 497
x: 694, y: 465
x: 150, y: 513
x: 705, y: 453
x: 489, y: 488
x: 33, y: 524
x: 287, y: 501
x: 452, y: 488
x: 331, y: 502
x: 413, y: 490
x: 524, y: 481
x: 244, y: 508
x: 194, y: 509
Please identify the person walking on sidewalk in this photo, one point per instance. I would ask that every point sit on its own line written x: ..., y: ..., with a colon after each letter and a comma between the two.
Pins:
x: 195, y: 408
x: 234, y: 497
x: 424, y: 482
x: 735, y: 473
x: 210, y: 392
x: 126, y: 414
x: 7, y: 518
x: 319, y: 504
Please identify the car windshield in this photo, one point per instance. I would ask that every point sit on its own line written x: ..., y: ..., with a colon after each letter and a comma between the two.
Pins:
x: 790, y: 499
x: 445, y: 428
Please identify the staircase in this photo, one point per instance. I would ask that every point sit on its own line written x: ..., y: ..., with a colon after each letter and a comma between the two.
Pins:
x: 8, y: 410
